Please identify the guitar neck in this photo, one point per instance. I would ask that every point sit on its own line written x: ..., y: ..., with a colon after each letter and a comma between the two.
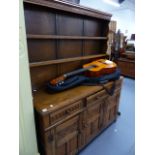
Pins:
x: 79, y: 71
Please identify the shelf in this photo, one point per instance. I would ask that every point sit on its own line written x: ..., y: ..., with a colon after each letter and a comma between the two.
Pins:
x: 33, y: 36
x: 50, y: 62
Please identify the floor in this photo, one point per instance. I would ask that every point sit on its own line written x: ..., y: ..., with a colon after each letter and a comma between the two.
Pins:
x: 119, y: 138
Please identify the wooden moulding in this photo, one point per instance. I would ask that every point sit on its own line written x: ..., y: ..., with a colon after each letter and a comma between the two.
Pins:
x: 33, y: 36
x: 58, y: 61
x: 73, y: 8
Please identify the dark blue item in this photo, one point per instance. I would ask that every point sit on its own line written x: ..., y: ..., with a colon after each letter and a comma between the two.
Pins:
x: 69, y: 83
x: 78, y: 80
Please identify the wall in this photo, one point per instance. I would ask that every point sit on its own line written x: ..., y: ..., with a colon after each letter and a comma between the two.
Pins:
x: 125, y: 21
x: 27, y: 134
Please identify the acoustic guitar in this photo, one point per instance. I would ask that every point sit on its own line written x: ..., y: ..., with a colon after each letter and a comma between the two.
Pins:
x: 94, y: 69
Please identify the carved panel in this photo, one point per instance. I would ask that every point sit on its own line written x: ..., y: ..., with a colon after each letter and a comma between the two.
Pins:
x: 110, y: 109
x: 67, y: 137
x: 91, y: 123
x: 65, y: 112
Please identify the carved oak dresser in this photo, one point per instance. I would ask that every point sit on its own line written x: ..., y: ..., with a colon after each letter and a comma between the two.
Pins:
x: 61, y: 37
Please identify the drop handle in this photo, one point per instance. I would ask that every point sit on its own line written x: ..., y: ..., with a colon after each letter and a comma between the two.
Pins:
x: 50, y: 138
x: 97, y: 97
x: 68, y: 111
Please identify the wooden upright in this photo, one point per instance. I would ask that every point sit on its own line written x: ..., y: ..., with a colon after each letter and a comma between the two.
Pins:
x: 61, y: 37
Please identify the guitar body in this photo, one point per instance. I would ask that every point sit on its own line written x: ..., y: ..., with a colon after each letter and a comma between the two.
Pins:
x: 102, y: 66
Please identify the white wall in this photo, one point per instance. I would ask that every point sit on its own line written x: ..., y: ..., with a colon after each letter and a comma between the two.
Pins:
x: 27, y: 134
x: 124, y: 15
x: 125, y: 21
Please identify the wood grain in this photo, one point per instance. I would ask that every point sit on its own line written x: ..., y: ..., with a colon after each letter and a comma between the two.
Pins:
x: 61, y: 37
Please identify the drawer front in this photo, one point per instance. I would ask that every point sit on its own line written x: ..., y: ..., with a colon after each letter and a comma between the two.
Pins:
x: 65, y: 112
x: 101, y: 95
x: 96, y: 97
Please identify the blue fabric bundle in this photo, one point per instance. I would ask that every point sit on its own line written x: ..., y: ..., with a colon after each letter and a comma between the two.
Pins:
x: 103, y: 79
x: 83, y: 80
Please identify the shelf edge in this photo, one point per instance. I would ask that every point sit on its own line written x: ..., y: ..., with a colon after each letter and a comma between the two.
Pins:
x: 50, y: 62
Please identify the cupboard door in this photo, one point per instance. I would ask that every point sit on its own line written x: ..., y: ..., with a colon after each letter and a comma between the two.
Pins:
x: 67, y: 137
x: 110, y: 109
x: 46, y: 143
x: 91, y: 123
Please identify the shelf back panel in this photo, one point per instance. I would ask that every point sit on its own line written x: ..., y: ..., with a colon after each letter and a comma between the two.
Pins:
x: 53, y: 20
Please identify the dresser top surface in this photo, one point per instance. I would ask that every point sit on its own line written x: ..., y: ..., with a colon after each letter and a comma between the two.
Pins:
x: 45, y: 102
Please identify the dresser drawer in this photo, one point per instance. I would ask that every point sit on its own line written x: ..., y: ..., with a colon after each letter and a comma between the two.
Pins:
x: 65, y: 112
x: 96, y: 97
x: 99, y: 96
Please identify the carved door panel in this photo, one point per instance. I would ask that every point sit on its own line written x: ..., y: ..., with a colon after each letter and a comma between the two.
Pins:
x: 67, y: 135
x: 91, y: 123
x: 110, y: 109
x: 47, y: 144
